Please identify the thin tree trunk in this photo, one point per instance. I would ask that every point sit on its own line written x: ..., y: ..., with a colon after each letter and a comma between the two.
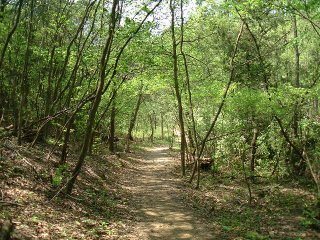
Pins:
x: 298, y: 165
x: 253, y: 152
x: 177, y: 89
x: 195, y: 167
x: 296, y: 82
x: 152, y: 127
x: 112, y: 127
x: 112, y: 98
x: 193, y: 122
x: 15, y: 105
x: 133, y: 120
x: 68, y: 126
x: 71, y: 84
x: 134, y: 116
x: 93, y: 135
x: 315, y: 176
x: 48, y: 99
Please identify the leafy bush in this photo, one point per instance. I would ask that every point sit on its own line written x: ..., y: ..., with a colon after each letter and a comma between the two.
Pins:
x: 311, y: 217
x: 59, y: 175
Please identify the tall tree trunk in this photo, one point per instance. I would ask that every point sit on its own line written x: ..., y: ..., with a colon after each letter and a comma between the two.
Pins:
x: 24, y: 86
x: 99, y: 91
x: 177, y: 89
x: 73, y: 77
x: 48, y: 99
x: 193, y: 132
x: 297, y: 163
x: 296, y: 82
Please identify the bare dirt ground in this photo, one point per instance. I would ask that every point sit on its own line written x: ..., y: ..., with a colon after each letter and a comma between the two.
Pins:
x: 159, y: 212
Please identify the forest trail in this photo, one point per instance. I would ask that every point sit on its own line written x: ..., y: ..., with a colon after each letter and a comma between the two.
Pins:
x: 158, y: 211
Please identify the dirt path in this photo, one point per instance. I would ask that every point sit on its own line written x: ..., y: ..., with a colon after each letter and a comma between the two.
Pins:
x: 159, y: 213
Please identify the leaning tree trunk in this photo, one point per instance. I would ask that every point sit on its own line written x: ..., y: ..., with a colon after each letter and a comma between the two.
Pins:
x: 99, y: 91
x: 11, y: 32
x: 134, y: 117
x: 133, y: 120
x: 68, y: 126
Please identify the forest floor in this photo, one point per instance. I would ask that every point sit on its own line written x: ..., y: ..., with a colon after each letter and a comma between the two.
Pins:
x: 140, y: 195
